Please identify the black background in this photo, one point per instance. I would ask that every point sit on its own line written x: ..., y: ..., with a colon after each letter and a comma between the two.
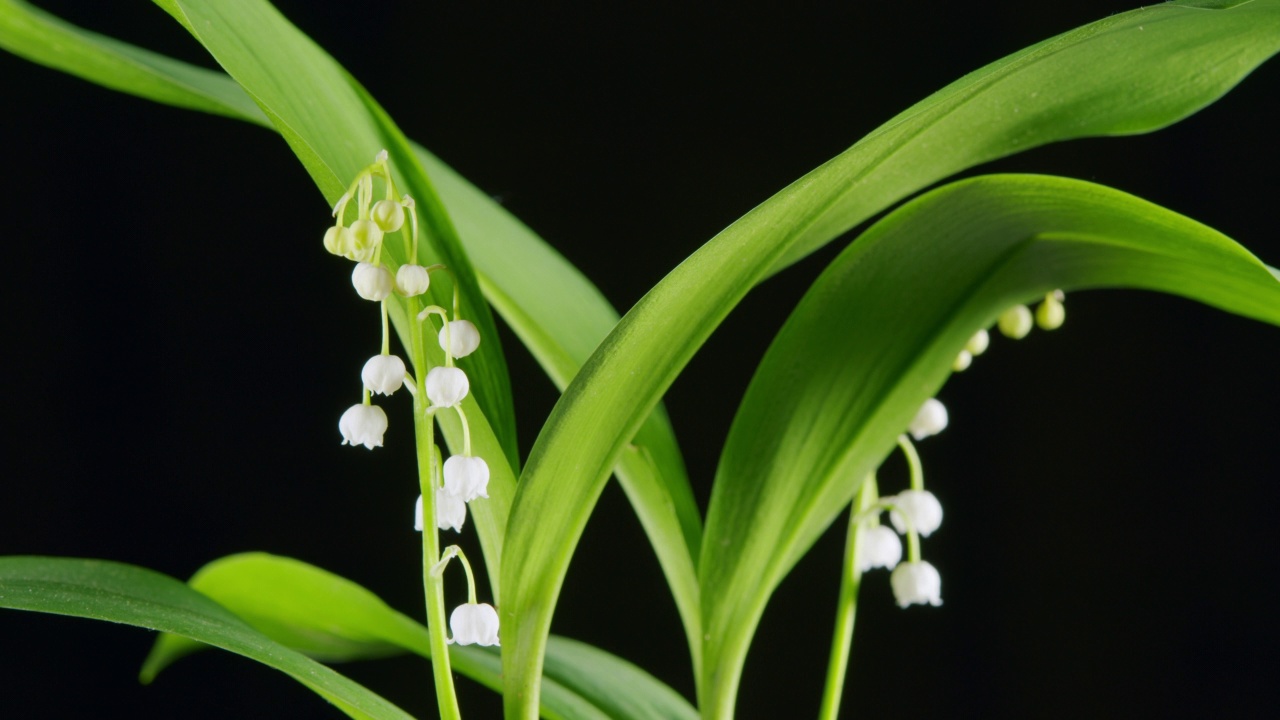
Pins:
x: 178, y: 348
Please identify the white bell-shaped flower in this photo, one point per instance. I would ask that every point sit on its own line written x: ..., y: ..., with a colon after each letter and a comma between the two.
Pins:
x: 460, y: 338
x: 920, y: 506
x: 1015, y: 322
x: 447, y: 386
x: 363, y: 425
x: 383, y: 374
x: 878, y: 547
x: 388, y: 214
x: 412, y: 280
x: 451, y: 511
x: 931, y: 419
x: 467, y: 477
x: 916, y: 583
x: 372, y: 282
x: 978, y: 343
x: 474, y: 624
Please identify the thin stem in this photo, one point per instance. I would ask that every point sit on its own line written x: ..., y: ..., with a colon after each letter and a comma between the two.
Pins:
x: 913, y: 462
x: 428, y: 474
x: 471, y: 578
x: 847, y: 605
x: 466, y: 430
x: 386, y: 330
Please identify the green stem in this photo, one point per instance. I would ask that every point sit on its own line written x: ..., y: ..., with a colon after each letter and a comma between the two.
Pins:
x: 847, y: 605
x: 433, y: 584
x: 913, y: 462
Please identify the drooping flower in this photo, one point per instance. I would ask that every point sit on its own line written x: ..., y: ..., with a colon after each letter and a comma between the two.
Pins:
x: 467, y: 477
x: 412, y: 280
x: 388, y: 215
x: 383, y: 374
x: 1015, y: 322
x: 372, y: 282
x: 365, y: 236
x: 338, y: 240
x: 363, y: 425
x: 451, y: 511
x: 931, y: 419
x: 460, y: 338
x: 447, y: 386
x: 474, y: 624
x: 916, y: 583
x: 920, y: 506
x: 878, y: 547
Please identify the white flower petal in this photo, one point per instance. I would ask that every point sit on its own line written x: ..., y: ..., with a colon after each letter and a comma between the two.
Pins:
x: 931, y: 419
x: 451, y: 511
x: 447, y: 386
x: 466, y: 477
x: 383, y: 374
x: 463, y: 338
x: 474, y: 624
x: 363, y: 425
x: 372, y: 282
x: 916, y: 583
x: 412, y: 280
x: 878, y: 547
x: 417, y: 515
x: 920, y: 506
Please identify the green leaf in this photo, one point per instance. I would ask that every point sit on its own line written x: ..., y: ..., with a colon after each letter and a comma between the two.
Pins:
x: 31, y: 33
x: 1125, y: 74
x: 877, y: 334
x: 331, y: 618
x: 116, y: 592
x: 553, y: 308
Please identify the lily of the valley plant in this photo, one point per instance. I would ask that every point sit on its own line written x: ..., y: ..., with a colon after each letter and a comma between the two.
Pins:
x: 851, y: 378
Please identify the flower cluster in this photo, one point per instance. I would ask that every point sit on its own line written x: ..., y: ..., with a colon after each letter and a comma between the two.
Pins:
x: 464, y: 477
x: 914, y: 513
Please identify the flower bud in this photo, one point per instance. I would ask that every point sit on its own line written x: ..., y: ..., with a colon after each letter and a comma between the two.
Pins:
x: 412, y: 280
x: 451, y: 511
x: 878, y: 547
x: 447, y: 386
x: 1015, y: 322
x: 383, y: 374
x: 365, y: 236
x: 474, y: 624
x: 363, y: 425
x: 962, y: 361
x: 1051, y: 314
x: 931, y: 419
x: 916, y: 583
x: 978, y: 343
x: 371, y: 282
x: 920, y: 506
x: 338, y: 240
x: 467, y: 477
x: 388, y: 215
x: 459, y: 338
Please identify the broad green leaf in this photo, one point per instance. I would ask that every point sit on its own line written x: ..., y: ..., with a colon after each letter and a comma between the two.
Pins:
x: 333, y: 619
x: 40, y: 37
x: 1131, y: 72
x: 554, y: 310
x: 335, y: 130
x: 876, y: 335
x: 103, y: 590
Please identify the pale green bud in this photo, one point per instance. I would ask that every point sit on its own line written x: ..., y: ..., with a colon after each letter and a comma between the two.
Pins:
x: 365, y: 236
x: 1051, y: 313
x: 338, y: 240
x: 389, y: 215
x: 1015, y: 322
